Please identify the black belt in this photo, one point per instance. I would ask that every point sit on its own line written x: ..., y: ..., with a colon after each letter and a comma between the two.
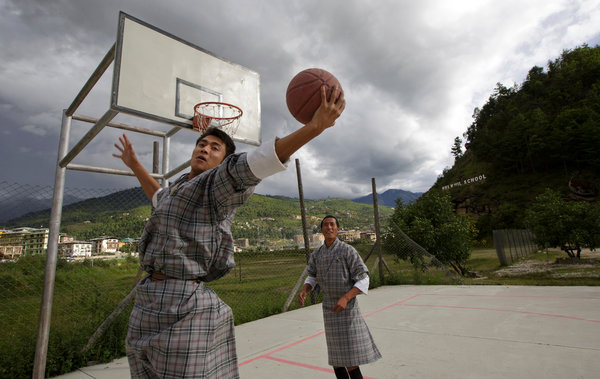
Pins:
x: 158, y: 276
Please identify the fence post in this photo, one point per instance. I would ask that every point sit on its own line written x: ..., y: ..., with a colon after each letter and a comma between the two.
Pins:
x: 515, y: 241
x: 524, y: 251
x: 377, y: 234
x: 303, y: 214
x: 499, y: 245
x: 508, y: 235
x: 313, y: 298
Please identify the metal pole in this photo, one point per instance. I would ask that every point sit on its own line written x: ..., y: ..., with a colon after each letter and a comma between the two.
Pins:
x: 176, y: 170
x: 41, y: 350
x: 296, y: 288
x: 87, y: 138
x: 303, y: 213
x: 165, y: 160
x: 104, y: 170
x: 166, y: 163
x: 96, y: 75
x: 155, y: 157
x: 377, y: 234
x: 119, y: 125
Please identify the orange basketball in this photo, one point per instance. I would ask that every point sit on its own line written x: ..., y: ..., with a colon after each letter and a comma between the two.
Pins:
x: 303, y: 95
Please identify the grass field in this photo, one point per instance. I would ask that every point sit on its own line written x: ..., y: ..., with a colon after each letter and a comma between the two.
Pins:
x: 553, y: 268
x: 87, y: 292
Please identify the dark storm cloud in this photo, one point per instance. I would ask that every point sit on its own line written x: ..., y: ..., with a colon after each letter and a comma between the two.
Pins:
x: 412, y: 73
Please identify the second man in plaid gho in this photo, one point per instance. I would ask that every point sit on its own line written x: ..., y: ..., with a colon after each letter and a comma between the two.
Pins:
x: 337, y: 270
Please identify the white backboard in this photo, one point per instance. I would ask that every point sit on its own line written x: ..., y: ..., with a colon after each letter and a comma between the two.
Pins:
x: 161, y: 77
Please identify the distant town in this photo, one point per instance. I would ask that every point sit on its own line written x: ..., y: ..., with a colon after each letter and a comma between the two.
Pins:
x: 25, y: 241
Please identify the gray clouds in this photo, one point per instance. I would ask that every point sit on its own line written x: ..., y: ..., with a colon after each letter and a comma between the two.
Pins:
x: 412, y: 73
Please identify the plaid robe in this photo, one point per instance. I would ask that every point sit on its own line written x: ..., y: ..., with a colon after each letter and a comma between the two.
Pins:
x: 337, y: 268
x: 180, y: 328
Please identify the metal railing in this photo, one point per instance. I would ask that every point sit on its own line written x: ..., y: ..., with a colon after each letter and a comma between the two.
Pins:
x: 513, y: 244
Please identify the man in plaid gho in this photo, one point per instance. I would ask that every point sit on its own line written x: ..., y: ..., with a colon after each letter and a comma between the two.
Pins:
x: 178, y: 327
x: 339, y: 272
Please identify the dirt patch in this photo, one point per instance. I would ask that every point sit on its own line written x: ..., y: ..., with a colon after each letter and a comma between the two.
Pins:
x: 575, y: 261
x: 560, y: 268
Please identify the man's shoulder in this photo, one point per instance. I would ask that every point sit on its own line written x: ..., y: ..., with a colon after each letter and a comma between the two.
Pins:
x: 236, y: 162
x: 318, y: 250
x: 347, y: 249
x: 343, y: 245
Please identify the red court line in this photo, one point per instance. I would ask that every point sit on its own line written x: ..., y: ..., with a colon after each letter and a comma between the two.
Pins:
x: 402, y: 302
x: 307, y: 366
x: 281, y: 348
x: 268, y: 355
x: 393, y: 305
x: 502, y: 310
x: 300, y: 364
x: 511, y: 296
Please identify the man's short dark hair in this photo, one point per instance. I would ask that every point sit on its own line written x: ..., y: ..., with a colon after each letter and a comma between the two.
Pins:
x: 329, y: 216
x: 212, y: 131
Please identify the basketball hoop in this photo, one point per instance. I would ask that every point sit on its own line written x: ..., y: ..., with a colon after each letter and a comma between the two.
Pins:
x: 221, y: 115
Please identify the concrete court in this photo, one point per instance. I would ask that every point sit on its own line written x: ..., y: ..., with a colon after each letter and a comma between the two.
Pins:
x: 432, y: 332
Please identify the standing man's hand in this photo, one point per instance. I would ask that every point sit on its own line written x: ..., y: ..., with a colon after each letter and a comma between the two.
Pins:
x: 340, y: 306
x: 302, y: 297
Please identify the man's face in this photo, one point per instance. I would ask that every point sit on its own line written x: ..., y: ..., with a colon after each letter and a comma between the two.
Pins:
x: 208, y: 153
x: 330, y: 229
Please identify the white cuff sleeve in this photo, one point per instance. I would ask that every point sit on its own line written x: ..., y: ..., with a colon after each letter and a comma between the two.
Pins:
x: 263, y: 161
x: 155, y: 197
x: 363, y: 285
x: 311, y: 280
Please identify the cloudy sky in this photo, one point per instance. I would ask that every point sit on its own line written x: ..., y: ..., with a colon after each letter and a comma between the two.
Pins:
x: 412, y: 73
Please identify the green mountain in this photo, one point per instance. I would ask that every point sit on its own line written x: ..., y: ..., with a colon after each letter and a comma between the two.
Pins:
x: 278, y: 217
x: 124, y: 213
x: 544, y: 133
x: 389, y: 197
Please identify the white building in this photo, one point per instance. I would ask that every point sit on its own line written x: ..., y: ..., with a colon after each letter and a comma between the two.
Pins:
x: 349, y: 236
x: 75, y: 249
x: 105, y: 245
x: 32, y: 241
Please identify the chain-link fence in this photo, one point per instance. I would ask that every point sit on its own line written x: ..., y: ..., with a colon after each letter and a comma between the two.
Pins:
x: 92, y: 276
x: 98, y: 268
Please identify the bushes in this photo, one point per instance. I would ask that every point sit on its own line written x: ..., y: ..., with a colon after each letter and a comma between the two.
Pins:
x: 432, y: 223
x: 571, y: 225
x: 83, y: 298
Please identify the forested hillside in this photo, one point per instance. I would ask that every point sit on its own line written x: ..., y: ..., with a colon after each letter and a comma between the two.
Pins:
x: 544, y: 133
x: 123, y: 214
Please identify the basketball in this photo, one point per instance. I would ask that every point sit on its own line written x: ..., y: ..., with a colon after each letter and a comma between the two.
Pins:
x: 303, y: 95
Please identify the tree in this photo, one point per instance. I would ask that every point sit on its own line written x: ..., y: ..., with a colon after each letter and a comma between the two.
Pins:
x: 457, y: 148
x: 572, y: 225
x: 550, y: 120
x: 432, y: 223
